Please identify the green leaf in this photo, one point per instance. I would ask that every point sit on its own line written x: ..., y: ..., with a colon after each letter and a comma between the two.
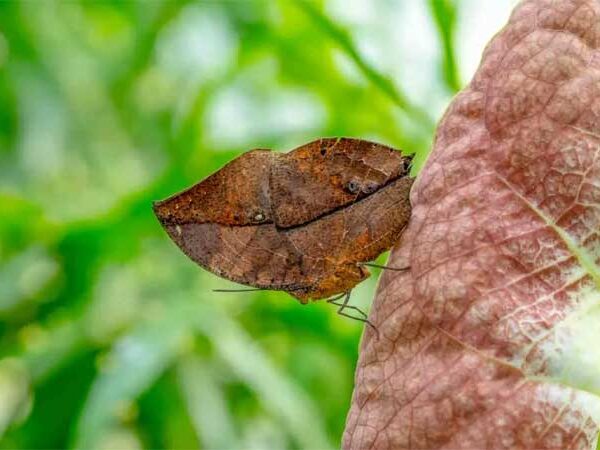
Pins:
x: 278, y: 394
x: 341, y: 37
x: 24, y: 276
x: 133, y: 364
x: 206, y: 404
x: 444, y: 15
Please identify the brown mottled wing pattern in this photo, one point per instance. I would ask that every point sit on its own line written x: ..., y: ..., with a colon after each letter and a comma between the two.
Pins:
x: 328, y: 174
x: 234, y: 195
x: 291, y: 221
x: 256, y: 255
x: 359, y: 232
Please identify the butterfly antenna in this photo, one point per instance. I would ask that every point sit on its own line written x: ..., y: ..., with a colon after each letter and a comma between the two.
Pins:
x: 397, y: 269
x: 239, y: 290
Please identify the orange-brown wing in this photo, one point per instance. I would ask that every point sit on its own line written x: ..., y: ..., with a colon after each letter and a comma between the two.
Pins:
x: 258, y: 256
x: 224, y: 224
x: 237, y: 194
x: 375, y: 224
x: 227, y: 223
x: 357, y: 233
x: 315, y: 260
x: 328, y: 174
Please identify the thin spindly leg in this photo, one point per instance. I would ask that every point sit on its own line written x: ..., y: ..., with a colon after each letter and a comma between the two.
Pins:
x: 378, y: 266
x: 334, y: 299
x: 345, y: 305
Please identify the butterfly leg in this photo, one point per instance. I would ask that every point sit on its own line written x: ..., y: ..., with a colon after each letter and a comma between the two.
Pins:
x: 344, y: 305
x: 378, y: 266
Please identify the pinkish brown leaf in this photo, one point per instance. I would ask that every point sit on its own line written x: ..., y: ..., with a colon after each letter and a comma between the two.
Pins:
x: 491, y: 339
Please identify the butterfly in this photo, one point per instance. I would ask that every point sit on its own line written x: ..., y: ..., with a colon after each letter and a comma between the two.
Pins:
x: 306, y: 222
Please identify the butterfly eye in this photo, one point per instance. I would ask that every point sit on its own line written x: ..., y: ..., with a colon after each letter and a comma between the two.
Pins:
x: 353, y: 186
x: 369, y: 188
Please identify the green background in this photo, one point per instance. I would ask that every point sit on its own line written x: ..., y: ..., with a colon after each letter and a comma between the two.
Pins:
x: 109, y: 336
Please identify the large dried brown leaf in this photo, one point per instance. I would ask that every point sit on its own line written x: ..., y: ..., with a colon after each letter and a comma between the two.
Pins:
x: 488, y: 341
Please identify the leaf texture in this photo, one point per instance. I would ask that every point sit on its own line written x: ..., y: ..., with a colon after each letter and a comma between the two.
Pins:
x: 490, y: 340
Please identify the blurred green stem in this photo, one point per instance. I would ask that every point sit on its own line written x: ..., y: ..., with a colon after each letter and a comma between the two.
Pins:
x: 444, y: 15
x: 382, y: 82
x: 206, y: 403
x: 145, y: 48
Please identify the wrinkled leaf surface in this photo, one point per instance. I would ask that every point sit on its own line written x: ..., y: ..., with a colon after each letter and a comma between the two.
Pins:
x: 491, y: 339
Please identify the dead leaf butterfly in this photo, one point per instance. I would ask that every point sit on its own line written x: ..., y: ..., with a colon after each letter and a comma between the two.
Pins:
x: 304, y: 222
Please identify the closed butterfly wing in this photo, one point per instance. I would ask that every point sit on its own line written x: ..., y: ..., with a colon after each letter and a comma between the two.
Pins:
x: 236, y: 195
x: 298, y: 222
x: 328, y: 174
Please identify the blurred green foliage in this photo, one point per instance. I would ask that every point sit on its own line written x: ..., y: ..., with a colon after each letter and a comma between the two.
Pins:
x: 109, y: 336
